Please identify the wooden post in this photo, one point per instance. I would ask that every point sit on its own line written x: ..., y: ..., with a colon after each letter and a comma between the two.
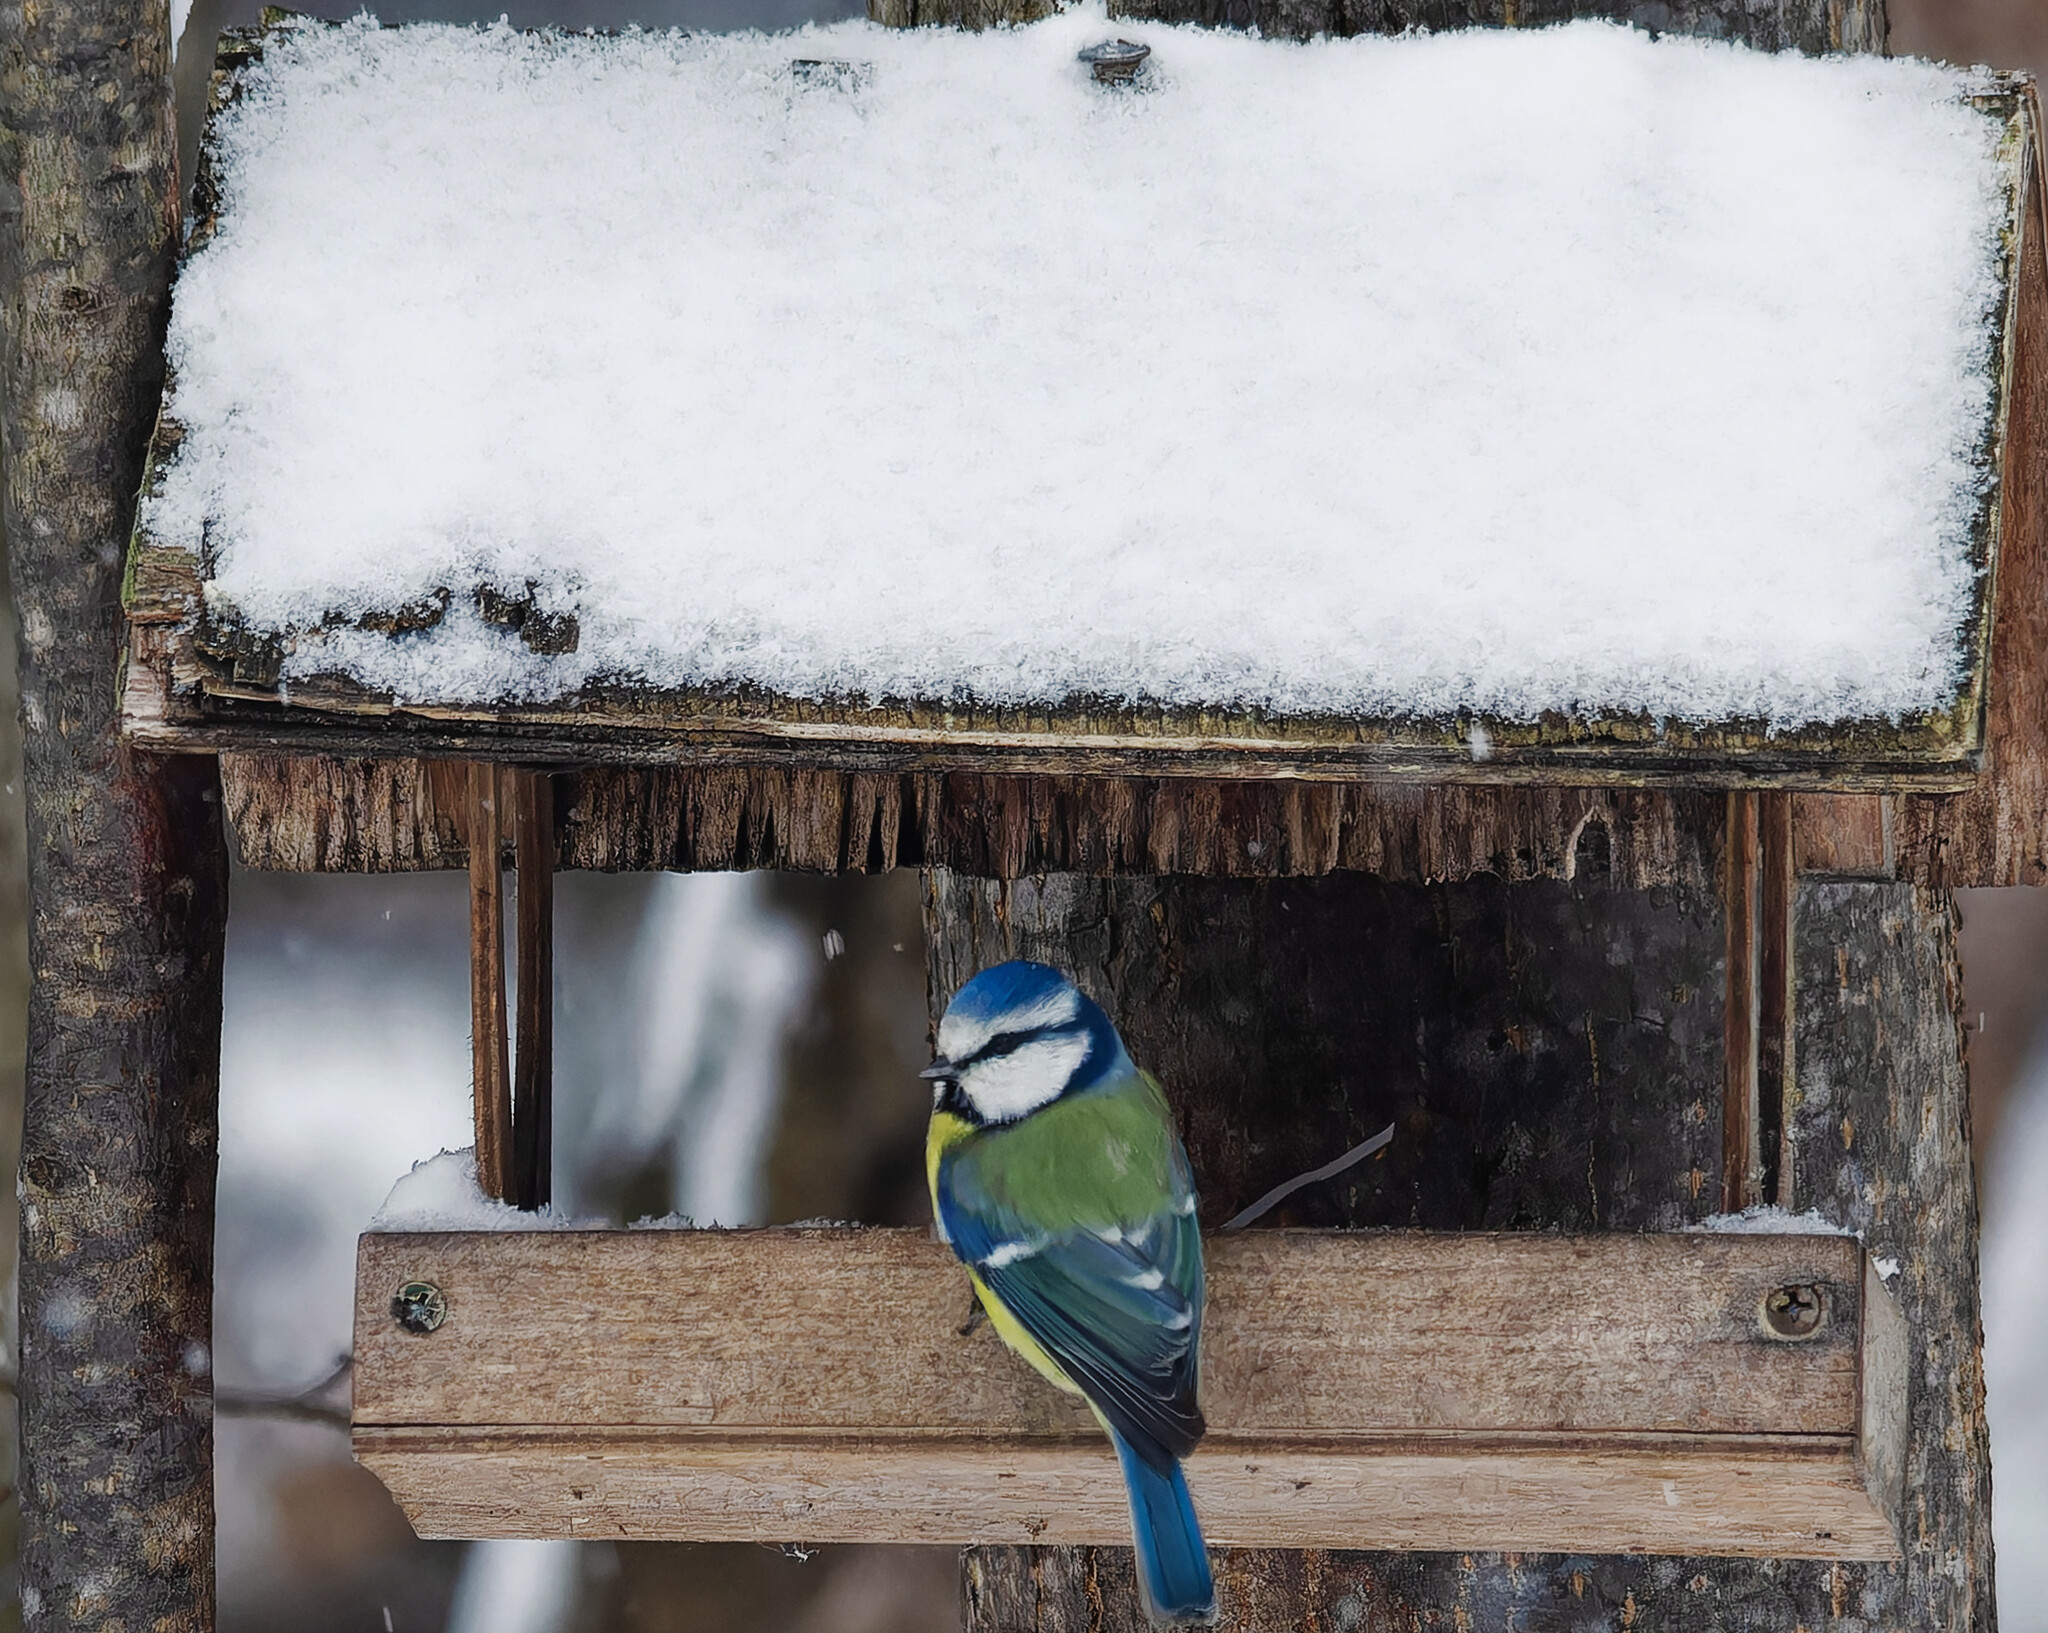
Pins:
x: 490, y: 1064
x: 1758, y: 879
x: 127, y: 869
x: 1741, y: 865
x: 533, y: 1109
x: 1776, y: 1056
x: 1551, y: 1055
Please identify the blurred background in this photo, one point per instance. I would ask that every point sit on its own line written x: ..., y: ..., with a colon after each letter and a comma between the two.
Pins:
x: 740, y: 1049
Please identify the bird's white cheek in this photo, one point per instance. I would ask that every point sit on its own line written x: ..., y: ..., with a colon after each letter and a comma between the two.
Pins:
x: 1012, y: 1085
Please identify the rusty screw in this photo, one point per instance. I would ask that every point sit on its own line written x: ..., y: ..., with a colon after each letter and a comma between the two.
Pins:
x: 419, y: 1306
x: 1795, y: 1311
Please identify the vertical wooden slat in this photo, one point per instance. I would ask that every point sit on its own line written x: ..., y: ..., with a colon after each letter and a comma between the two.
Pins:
x: 490, y: 1074
x: 1740, y: 894
x: 1777, y: 879
x: 533, y: 1080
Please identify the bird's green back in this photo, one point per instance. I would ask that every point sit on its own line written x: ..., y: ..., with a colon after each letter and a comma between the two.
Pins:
x: 1103, y: 1157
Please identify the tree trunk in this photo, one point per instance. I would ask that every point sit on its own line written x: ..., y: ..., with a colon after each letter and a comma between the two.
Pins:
x: 1550, y: 1054
x: 127, y: 867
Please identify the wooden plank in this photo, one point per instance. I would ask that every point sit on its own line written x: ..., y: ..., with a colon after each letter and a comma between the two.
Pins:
x: 1781, y: 1499
x: 1309, y: 1333
x: 490, y: 1072
x: 720, y: 1384
x: 533, y: 1076
x: 323, y: 814
x: 236, y: 716
x: 1845, y: 836
x: 1777, y: 881
x: 1741, y: 884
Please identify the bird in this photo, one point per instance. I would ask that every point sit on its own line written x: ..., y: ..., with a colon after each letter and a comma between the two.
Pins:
x: 1059, y: 1180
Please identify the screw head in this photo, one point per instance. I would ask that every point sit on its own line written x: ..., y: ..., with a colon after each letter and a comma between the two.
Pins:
x: 419, y: 1306
x: 1116, y: 62
x: 1797, y: 1310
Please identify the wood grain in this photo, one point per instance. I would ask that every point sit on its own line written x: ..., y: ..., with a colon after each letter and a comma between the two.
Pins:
x: 1741, y: 885
x: 1309, y: 1333
x: 1997, y: 833
x: 533, y: 1070
x: 322, y: 814
x: 731, y: 1384
x: 1845, y: 836
x: 1797, y: 1497
x: 489, y: 1043
x: 1776, y: 1054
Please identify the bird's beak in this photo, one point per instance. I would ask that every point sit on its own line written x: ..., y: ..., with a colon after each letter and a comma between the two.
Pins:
x: 940, y: 1069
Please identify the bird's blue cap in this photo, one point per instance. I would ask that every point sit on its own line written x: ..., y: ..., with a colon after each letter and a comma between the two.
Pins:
x: 1023, y: 997
x: 1020, y: 985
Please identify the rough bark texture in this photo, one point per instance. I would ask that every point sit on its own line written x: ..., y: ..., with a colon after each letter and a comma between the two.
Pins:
x: 327, y: 815
x: 128, y: 872
x: 1551, y: 1053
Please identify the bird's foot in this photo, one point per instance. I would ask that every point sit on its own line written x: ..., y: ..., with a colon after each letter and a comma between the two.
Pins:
x: 975, y: 1316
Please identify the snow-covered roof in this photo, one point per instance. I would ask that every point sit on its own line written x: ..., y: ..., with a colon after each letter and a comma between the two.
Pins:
x: 1493, y: 375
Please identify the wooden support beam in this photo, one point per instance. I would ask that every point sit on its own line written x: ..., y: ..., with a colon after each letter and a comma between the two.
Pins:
x: 490, y: 1062
x: 1777, y: 879
x: 1403, y: 1390
x: 533, y: 1081
x: 1741, y: 889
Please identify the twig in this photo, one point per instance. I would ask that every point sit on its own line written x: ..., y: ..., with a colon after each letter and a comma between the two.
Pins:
x: 1280, y: 1193
x: 304, y: 1407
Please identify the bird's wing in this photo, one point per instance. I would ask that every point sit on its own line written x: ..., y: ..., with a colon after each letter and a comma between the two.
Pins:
x: 1118, y: 1308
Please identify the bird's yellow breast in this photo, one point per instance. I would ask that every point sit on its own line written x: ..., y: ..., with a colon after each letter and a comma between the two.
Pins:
x: 947, y: 1130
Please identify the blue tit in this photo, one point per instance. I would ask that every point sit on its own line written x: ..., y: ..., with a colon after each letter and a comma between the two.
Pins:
x: 1059, y: 1181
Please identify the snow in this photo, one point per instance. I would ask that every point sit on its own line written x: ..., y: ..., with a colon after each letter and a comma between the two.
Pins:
x: 1763, y: 1220
x: 1500, y: 371
x: 442, y: 1193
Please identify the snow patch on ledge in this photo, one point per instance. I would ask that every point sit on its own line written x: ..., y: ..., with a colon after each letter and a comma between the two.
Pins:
x: 442, y: 1194
x: 1762, y: 1220
x: 1501, y: 371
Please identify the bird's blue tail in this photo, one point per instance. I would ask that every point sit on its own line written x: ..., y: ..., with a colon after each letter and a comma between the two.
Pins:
x: 1173, y: 1562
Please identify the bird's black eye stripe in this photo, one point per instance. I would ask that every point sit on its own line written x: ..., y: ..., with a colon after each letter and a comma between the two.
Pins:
x: 1007, y: 1043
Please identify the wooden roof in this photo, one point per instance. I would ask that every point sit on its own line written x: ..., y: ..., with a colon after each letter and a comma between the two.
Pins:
x: 200, y: 678
x: 322, y: 773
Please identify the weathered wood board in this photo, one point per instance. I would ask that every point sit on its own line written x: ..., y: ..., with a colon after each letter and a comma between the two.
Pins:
x: 321, y: 814
x: 316, y: 814
x: 195, y: 680
x: 1389, y: 1390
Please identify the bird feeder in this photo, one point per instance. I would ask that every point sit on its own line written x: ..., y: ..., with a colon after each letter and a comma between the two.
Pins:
x: 420, y: 694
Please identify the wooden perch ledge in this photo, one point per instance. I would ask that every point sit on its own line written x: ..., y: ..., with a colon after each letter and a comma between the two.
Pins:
x: 1694, y: 1393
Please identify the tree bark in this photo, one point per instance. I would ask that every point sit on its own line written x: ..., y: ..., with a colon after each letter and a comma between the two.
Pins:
x: 1550, y: 1053
x: 127, y: 866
